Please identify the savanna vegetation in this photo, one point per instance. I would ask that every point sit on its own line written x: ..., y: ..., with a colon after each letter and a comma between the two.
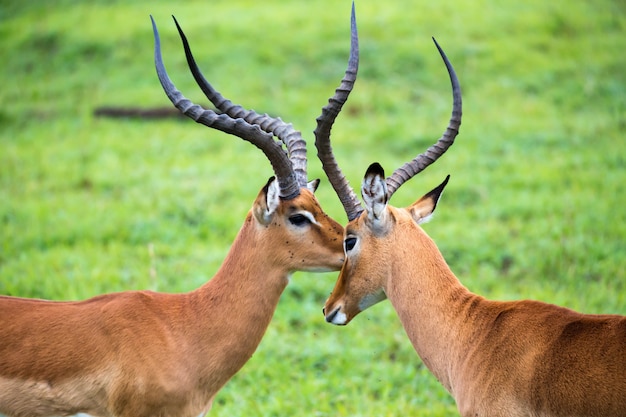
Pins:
x: 535, y: 207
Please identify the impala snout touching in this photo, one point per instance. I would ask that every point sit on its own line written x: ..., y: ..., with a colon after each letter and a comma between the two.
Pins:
x: 312, y: 239
x: 146, y: 354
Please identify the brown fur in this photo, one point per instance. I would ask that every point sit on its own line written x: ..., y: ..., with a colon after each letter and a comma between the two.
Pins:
x: 519, y: 358
x: 141, y: 353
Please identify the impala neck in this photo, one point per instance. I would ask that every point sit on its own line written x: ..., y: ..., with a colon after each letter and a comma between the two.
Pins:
x: 432, y: 305
x: 237, y: 304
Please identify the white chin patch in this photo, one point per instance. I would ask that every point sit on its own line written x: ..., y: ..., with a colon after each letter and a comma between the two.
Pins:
x: 340, y: 318
x: 371, y: 299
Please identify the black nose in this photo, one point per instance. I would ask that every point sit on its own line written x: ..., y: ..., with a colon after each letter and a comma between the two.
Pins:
x: 331, y: 316
x: 324, y: 310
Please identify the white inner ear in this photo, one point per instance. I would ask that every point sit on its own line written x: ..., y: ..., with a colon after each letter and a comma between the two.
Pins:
x: 312, y: 185
x: 422, y: 217
x: 423, y: 210
x: 374, y: 193
x: 272, y: 199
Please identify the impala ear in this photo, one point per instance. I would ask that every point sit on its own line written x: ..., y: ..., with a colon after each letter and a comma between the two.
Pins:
x: 422, y: 210
x: 267, y: 201
x: 374, y: 192
x: 312, y: 185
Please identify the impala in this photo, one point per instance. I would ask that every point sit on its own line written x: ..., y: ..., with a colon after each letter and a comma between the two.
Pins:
x: 519, y: 358
x: 145, y: 354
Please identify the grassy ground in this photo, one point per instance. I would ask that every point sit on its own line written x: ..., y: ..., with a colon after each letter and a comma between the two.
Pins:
x: 535, y: 207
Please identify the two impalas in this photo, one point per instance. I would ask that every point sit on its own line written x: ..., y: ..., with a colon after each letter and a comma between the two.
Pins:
x: 141, y: 353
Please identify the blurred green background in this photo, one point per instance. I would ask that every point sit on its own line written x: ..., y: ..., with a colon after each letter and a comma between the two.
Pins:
x: 535, y: 207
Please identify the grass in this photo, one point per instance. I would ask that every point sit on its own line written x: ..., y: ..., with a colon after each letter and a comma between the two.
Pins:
x: 535, y: 207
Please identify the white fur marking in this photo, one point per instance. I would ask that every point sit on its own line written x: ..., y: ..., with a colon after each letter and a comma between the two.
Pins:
x: 371, y: 299
x: 340, y: 318
x: 309, y: 216
x: 272, y: 199
x: 426, y: 219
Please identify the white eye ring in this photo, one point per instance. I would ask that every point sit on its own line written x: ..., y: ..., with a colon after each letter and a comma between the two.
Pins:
x: 301, y: 218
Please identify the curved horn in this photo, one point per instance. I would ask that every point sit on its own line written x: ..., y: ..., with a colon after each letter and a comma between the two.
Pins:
x: 296, y: 146
x: 420, y: 162
x: 253, y: 133
x: 349, y: 200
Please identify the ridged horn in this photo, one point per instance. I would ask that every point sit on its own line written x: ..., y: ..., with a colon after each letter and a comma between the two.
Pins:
x: 348, y: 198
x: 420, y: 162
x: 251, y: 131
x: 296, y: 146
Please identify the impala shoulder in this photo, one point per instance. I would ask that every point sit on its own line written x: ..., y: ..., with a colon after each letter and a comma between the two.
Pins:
x: 132, y: 304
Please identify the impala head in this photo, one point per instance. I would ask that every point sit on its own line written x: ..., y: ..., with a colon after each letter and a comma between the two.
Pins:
x: 373, y: 241
x: 306, y: 238
x: 374, y: 237
x: 285, y: 209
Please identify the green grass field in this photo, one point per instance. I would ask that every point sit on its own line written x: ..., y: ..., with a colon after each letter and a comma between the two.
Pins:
x: 535, y: 207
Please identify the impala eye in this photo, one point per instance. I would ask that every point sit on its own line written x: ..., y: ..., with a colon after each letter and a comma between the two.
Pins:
x: 299, y: 220
x: 349, y: 243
